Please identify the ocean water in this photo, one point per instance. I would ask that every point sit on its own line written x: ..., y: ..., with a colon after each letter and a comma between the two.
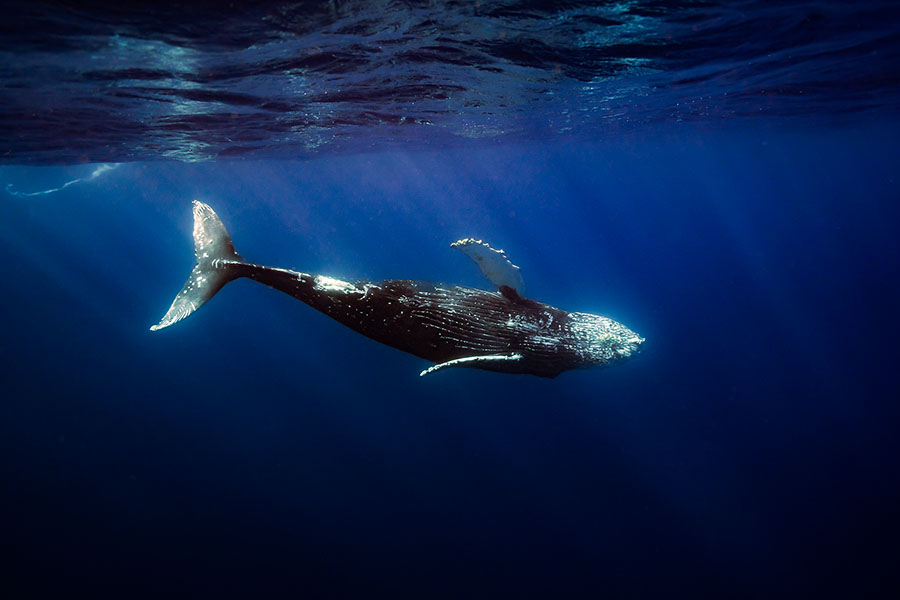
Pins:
x: 720, y: 177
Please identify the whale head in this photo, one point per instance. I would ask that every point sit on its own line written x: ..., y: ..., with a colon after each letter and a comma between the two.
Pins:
x: 600, y: 341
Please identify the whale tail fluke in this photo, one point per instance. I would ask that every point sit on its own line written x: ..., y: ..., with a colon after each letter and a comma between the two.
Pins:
x: 217, y: 263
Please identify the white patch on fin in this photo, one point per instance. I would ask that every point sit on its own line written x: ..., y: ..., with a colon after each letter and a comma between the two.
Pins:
x: 493, y: 263
x: 469, y: 359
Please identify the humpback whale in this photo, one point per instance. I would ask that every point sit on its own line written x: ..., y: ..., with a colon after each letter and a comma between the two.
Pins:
x: 448, y: 325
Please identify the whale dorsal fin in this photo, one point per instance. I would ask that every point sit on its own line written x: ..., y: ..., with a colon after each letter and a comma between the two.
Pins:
x: 473, y: 361
x: 493, y: 263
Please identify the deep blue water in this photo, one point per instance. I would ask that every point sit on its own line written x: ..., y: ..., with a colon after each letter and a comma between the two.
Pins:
x: 260, y: 449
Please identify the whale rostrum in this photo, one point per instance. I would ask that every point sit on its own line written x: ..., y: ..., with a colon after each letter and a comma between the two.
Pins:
x: 448, y: 325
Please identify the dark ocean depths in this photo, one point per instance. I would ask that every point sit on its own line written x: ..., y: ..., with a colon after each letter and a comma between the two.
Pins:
x: 720, y: 177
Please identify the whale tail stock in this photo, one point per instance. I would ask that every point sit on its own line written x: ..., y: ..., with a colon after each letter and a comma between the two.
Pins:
x: 217, y: 263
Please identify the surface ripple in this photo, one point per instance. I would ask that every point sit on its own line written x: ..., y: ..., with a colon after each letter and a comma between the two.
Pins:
x: 299, y: 79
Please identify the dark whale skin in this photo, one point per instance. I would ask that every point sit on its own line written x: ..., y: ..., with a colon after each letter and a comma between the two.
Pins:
x: 437, y: 323
x: 440, y: 323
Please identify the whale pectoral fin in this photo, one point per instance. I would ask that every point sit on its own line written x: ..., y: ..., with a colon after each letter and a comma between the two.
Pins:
x: 470, y: 361
x: 493, y: 263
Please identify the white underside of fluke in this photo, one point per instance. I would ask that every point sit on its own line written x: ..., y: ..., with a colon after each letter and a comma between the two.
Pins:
x: 215, y: 254
x: 468, y: 360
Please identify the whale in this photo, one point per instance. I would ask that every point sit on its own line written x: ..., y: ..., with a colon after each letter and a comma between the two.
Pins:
x: 449, y: 326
